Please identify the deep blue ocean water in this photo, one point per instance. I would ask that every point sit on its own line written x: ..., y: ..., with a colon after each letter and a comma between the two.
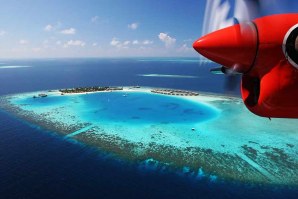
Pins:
x: 35, y: 163
x: 65, y: 73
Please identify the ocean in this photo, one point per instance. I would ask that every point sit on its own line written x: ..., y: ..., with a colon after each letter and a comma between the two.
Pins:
x: 36, y: 163
x: 68, y: 73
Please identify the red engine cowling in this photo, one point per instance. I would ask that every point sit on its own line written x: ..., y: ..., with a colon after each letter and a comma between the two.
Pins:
x: 266, y: 53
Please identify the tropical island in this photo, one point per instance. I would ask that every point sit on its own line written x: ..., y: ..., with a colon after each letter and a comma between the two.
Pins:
x: 90, y: 89
x: 175, y: 92
x: 109, y: 88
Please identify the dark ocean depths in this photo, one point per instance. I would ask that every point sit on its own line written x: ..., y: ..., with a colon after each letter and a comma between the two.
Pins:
x: 35, y: 163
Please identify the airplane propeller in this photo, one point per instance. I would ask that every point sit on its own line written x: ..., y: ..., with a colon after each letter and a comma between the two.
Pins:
x: 219, y: 14
x: 262, y: 50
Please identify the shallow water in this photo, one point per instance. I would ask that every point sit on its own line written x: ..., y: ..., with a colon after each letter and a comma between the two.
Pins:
x: 185, y: 132
x: 140, y: 108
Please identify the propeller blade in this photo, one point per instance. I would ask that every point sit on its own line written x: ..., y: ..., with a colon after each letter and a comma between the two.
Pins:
x: 220, y: 14
x: 247, y: 10
x: 232, y: 82
x: 217, y: 71
x: 223, y: 71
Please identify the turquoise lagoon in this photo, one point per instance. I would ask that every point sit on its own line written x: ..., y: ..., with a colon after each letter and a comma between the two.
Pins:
x: 209, y: 133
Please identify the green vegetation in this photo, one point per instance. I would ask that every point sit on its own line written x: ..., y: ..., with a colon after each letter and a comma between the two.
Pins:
x: 90, y: 89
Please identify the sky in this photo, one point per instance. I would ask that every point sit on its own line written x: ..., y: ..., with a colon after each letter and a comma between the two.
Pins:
x: 100, y: 28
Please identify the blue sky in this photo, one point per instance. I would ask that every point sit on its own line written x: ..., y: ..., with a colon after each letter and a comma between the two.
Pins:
x: 99, y: 28
x: 103, y: 28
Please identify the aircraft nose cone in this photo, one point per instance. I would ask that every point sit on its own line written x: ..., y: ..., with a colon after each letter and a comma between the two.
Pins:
x: 202, y: 44
x: 230, y: 47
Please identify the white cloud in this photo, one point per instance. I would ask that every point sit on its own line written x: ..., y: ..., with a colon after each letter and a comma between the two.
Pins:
x: 115, y: 42
x: 135, y: 42
x: 52, y: 27
x: 94, y: 44
x: 74, y: 43
x: 147, y: 42
x: 126, y: 43
x: 48, y: 28
x: 133, y: 26
x: 58, y: 42
x: 70, y: 31
x: 166, y: 39
x: 185, y: 48
x: 94, y: 19
x: 2, y: 32
x: 23, y: 42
